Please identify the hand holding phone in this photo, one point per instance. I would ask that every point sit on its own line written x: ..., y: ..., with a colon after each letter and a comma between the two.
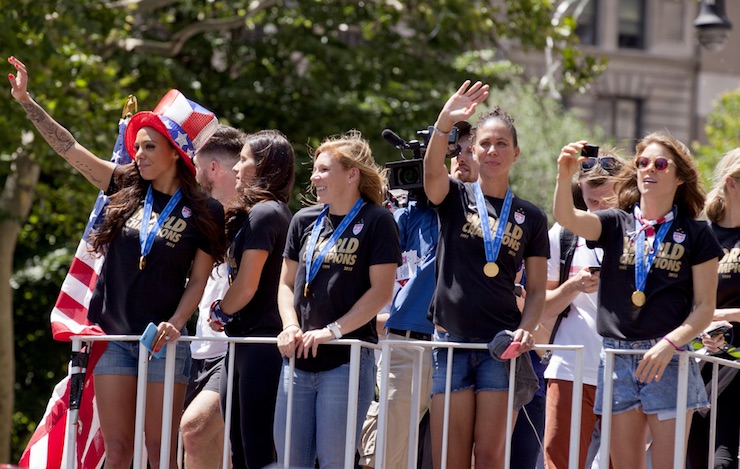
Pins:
x: 721, y: 329
x: 590, y: 151
x: 511, y: 350
x: 151, y: 339
x: 594, y: 268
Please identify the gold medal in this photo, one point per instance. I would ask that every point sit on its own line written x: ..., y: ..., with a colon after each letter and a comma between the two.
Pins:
x: 305, y: 290
x: 638, y: 298
x: 490, y: 269
x: 142, y: 262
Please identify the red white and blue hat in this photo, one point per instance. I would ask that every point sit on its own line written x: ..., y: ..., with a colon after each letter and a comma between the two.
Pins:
x: 185, y: 123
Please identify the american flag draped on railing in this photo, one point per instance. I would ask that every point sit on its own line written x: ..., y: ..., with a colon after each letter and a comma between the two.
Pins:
x: 46, y: 449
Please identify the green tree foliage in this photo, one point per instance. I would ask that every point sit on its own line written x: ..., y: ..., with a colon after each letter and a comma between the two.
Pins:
x: 723, y: 133
x: 57, y: 40
x: 543, y: 126
x: 310, y: 68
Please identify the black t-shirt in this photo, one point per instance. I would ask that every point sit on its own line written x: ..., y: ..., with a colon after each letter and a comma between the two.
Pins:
x: 370, y: 239
x: 728, y: 288
x: 669, y: 289
x: 265, y: 228
x: 126, y: 299
x: 467, y: 303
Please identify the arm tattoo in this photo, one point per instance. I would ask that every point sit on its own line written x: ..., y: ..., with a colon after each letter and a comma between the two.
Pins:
x: 59, y: 138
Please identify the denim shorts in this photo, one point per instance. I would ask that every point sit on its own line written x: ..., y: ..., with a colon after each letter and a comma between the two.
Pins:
x: 657, y: 397
x: 471, y: 369
x: 122, y: 358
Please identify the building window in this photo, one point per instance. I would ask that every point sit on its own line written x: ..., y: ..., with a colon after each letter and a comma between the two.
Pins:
x: 586, y: 27
x: 632, y: 24
x: 621, y: 119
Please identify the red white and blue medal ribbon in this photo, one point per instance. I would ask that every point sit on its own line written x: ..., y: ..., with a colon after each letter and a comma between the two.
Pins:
x: 642, y: 264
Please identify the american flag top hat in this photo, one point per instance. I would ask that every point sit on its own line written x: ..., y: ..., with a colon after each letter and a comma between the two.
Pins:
x: 185, y: 123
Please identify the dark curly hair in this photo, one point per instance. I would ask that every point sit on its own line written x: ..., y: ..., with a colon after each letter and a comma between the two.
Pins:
x: 130, y: 195
x: 500, y: 114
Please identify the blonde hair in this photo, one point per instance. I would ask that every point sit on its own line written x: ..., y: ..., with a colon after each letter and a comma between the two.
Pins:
x: 729, y: 166
x: 353, y: 151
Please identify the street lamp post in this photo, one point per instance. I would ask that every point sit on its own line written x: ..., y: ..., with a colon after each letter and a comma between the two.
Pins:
x: 712, y: 25
x: 712, y: 31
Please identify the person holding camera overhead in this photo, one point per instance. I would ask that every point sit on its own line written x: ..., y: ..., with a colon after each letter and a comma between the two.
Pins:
x: 338, y: 271
x: 658, y: 292
x: 723, y: 210
x: 144, y: 276
x: 485, y: 234
x: 571, y: 303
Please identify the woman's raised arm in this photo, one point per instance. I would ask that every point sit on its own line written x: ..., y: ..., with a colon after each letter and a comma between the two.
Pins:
x: 95, y: 170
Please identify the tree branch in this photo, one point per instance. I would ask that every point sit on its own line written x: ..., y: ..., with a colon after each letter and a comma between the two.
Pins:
x: 173, y: 47
x: 17, y: 195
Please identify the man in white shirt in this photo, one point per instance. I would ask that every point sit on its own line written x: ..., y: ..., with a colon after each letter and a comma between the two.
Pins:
x: 202, y: 424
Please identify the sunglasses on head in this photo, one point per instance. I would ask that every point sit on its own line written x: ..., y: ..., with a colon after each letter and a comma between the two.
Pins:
x: 606, y: 162
x: 660, y: 163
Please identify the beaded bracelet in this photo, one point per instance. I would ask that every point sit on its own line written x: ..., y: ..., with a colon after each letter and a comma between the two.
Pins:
x: 291, y: 325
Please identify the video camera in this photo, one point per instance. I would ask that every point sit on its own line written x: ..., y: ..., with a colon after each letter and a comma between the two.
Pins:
x: 408, y: 174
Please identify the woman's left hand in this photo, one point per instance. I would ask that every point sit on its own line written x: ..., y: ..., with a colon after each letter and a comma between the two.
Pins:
x: 171, y: 334
x: 655, y: 361
x: 312, y: 340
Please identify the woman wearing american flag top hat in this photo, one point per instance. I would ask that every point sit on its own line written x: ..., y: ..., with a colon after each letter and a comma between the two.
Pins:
x: 160, y: 233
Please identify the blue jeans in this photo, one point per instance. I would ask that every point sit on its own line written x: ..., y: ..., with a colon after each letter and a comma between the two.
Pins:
x: 320, y: 412
x: 122, y: 358
x: 471, y: 369
x: 657, y: 397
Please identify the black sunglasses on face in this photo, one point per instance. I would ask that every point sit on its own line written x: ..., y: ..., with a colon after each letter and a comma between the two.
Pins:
x: 606, y: 162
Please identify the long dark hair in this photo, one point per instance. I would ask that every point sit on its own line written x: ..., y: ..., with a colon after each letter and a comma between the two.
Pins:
x: 132, y: 190
x: 273, y: 179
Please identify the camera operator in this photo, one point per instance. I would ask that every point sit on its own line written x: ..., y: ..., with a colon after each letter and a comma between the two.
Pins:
x: 462, y: 166
x: 408, y: 319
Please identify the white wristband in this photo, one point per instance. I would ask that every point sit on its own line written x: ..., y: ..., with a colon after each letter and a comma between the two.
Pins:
x: 335, y: 329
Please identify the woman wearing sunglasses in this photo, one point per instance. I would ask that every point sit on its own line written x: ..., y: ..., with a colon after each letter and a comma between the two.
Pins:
x: 659, y: 278
x: 723, y: 210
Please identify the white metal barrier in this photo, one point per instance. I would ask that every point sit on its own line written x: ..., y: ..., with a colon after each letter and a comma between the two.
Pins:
x: 385, y: 347
x: 679, y: 448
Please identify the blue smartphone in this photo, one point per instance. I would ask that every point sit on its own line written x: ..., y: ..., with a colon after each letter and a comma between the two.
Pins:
x: 149, y: 338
